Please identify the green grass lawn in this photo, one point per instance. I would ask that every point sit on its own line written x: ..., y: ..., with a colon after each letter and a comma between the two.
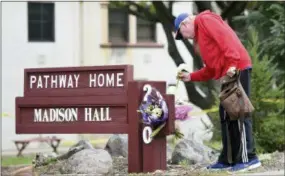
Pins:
x: 216, y: 145
x: 13, y: 160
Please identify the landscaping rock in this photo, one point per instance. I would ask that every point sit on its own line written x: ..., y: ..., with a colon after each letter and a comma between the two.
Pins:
x: 192, y: 152
x: 169, y: 150
x: 197, y: 125
x: 120, y: 167
x: 117, y: 145
x: 81, y: 158
x: 89, y: 161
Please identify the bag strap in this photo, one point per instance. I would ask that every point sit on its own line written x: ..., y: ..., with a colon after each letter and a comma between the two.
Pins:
x: 241, y: 120
x: 241, y: 116
x: 229, y: 144
x: 238, y: 73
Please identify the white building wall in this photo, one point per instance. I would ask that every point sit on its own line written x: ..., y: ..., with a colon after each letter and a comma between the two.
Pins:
x: 18, y: 53
x: 92, y: 34
x: 78, y: 36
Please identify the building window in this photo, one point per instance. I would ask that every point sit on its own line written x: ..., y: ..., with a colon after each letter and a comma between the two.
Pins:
x: 40, y: 22
x: 118, y: 26
x: 146, y: 31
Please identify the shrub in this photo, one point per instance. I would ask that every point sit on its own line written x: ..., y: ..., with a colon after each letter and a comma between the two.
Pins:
x: 267, y: 98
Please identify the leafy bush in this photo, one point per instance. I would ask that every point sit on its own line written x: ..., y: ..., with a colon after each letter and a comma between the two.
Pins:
x: 268, y: 17
x: 270, y: 136
x: 275, y: 42
x: 267, y: 98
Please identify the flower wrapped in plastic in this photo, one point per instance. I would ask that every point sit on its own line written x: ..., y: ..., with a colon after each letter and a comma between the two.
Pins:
x: 153, y: 108
x: 154, y: 111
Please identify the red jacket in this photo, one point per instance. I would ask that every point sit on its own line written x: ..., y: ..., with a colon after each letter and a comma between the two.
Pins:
x: 220, y: 48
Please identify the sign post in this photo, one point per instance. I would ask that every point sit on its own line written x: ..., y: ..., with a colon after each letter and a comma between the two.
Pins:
x: 97, y: 99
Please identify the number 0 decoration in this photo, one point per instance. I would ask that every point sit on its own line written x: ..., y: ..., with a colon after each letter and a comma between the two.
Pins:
x: 154, y: 112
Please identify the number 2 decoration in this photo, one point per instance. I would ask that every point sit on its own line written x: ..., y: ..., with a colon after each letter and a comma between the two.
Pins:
x: 154, y: 113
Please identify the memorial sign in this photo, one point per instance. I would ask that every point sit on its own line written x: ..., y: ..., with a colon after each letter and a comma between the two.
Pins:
x: 90, y: 114
x: 77, y: 81
x: 99, y: 99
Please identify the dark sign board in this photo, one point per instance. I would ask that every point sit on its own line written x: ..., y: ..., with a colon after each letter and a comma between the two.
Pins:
x: 98, y: 99
x: 77, y: 81
x: 104, y: 114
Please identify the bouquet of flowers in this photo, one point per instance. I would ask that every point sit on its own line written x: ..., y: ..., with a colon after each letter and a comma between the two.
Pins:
x: 154, y: 110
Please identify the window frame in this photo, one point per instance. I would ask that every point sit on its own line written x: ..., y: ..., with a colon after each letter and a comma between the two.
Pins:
x: 125, y: 23
x: 50, y: 19
x: 152, y: 25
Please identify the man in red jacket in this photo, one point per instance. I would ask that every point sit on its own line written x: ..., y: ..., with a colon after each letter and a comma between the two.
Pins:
x: 222, y: 53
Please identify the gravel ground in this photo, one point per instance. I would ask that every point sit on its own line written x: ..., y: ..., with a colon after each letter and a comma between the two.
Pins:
x: 271, y: 162
x: 275, y: 163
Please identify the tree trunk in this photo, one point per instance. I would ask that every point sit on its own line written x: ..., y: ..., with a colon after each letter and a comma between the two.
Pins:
x: 166, y: 21
x: 203, y: 5
x: 163, y: 14
x: 194, y: 96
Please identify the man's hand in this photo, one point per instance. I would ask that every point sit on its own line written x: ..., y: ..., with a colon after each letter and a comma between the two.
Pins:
x: 184, y: 76
x: 231, y: 71
x: 182, y: 73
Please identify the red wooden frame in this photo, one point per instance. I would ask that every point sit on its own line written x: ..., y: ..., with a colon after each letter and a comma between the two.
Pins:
x: 123, y: 102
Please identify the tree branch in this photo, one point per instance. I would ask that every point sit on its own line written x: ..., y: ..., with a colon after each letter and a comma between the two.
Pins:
x: 235, y: 8
x: 144, y: 10
x: 221, y: 4
x: 167, y: 24
x: 170, y: 6
x: 203, y: 5
x: 197, y: 62
x: 165, y: 15
x: 167, y: 27
x: 127, y: 6
x: 137, y: 14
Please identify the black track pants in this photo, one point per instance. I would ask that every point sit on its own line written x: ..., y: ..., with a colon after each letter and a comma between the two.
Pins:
x: 246, y: 142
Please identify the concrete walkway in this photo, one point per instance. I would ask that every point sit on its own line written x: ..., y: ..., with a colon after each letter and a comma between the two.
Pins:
x: 268, y: 173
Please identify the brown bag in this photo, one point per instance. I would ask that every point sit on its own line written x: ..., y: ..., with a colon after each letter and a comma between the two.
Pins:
x: 233, y: 97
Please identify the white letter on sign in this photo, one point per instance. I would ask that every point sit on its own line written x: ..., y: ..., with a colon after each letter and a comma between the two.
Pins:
x: 32, y: 81
x: 146, y: 135
x: 119, y: 80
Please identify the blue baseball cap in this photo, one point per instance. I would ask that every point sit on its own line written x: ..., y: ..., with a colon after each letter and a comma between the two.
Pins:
x: 177, y: 24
